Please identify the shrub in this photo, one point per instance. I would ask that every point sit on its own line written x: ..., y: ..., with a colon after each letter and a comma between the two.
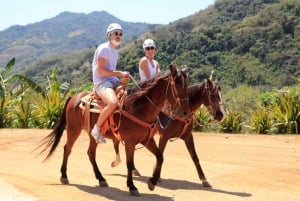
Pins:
x: 232, y: 123
x: 260, y: 121
x: 201, y: 118
x: 287, y: 113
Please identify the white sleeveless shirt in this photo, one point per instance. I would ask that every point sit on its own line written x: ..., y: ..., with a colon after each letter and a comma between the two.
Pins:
x: 151, y: 68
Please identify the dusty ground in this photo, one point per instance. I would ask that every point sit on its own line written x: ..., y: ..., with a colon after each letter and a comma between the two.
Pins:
x: 240, y: 167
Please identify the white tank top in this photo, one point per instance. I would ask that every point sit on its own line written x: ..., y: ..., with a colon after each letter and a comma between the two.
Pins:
x: 151, y: 68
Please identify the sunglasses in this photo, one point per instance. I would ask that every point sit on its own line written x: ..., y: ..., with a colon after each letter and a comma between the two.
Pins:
x: 118, y: 33
x: 150, y: 48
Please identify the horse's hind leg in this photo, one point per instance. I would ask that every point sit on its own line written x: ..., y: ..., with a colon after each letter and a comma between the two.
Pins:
x: 92, y: 157
x: 189, y: 142
x: 117, y: 160
x: 72, y: 136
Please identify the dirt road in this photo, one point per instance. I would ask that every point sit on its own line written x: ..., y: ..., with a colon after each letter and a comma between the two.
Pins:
x: 240, y: 167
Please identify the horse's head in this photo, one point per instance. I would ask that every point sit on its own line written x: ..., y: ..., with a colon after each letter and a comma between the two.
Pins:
x: 212, y: 99
x: 176, y: 94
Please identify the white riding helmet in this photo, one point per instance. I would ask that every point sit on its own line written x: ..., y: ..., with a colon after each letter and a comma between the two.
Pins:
x: 148, y: 43
x: 112, y: 28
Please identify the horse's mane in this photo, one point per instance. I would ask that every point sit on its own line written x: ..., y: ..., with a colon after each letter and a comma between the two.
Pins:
x: 193, y: 91
x: 195, y: 88
x: 144, y: 87
x: 135, y: 92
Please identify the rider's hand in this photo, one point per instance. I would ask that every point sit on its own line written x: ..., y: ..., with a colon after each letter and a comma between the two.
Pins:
x: 124, y: 74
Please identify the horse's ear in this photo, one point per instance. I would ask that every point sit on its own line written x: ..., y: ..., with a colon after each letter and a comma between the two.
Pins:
x: 185, y: 71
x: 209, y: 81
x: 211, y: 75
x: 173, y: 69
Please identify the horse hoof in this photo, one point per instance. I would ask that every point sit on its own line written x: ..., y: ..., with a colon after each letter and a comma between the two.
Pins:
x: 115, y: 163
x: 136, y: 173
x: 150, y: 185
x: 103, y: 184
x: 135, y: 193
x: 64, y: 180
x: 205, y: 183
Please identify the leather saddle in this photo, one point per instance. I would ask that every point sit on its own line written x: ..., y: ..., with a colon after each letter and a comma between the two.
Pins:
x: 92, y: 103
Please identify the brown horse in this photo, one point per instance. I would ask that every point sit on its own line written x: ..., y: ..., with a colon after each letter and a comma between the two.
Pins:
x: 136, y: 119
x: 207, y: 93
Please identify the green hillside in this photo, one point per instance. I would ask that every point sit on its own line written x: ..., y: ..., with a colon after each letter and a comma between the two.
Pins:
x: 251, y: 42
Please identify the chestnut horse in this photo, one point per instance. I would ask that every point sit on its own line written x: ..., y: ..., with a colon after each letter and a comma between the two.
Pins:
x: 207, y: 93
x: 135, y: 119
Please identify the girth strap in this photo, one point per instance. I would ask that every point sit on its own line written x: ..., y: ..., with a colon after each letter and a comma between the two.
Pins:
x: 152, y: 126
x: 186, y: 122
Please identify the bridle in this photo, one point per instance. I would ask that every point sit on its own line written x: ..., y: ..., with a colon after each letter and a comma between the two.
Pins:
x: 174, y: 110
x: 189, y: 119
x: 175, y: 116
x: 214, y: 92
x: 152, y: 126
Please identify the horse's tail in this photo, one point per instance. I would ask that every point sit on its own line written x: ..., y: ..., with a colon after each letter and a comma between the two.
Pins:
x: 54, y: 137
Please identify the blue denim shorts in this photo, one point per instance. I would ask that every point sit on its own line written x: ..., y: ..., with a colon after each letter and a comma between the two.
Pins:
x: 101, y: 86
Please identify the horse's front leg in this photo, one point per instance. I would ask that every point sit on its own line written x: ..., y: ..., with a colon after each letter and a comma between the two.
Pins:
x: 129, y: 148
x: 92, y: 156
x: 189, y: 142
x: 163, y: 140
x: 152, y: 147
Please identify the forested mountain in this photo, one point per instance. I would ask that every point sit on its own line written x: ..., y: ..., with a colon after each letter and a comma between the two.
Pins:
x: 65, y: 33
x: 252, y: 42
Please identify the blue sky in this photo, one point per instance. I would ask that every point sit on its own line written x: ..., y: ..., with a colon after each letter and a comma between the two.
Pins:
x: 23, y: 12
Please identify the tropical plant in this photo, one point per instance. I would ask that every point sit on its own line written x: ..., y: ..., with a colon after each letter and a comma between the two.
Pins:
x: 4, y: 95
x: 48, y: 107
x: 260, y: 121
x: 201, y: 118
x: 287, y: 113
x: 8, y: 90
x: 232, y: 123
x: 20, y: 110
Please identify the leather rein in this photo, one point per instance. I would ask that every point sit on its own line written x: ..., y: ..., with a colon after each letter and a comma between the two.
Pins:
x: 187, y: 120
x: 152, y: 126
